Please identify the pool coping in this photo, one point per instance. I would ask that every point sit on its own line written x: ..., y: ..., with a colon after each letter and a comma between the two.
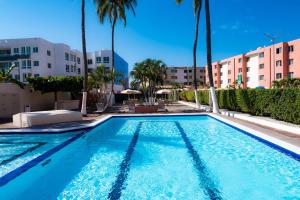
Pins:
x: 275, y: 143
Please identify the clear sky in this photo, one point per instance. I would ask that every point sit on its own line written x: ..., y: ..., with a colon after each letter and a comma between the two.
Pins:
x: 161, y: 29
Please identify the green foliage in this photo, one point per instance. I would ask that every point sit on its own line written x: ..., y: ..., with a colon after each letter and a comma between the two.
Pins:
x: 71, y: 84
x: 281, y: 104
x: 5, y: 76
x: 287, y: 83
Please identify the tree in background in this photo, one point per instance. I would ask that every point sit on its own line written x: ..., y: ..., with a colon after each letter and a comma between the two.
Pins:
x: 114, y: 10
x: 5, y: 76
x: 56, y: 84
x: 209, y: 59
x: 197, y: 11
x: 149, y: 74
x: 85, y: 67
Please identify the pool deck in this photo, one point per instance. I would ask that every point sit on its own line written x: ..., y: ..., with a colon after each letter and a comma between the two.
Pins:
x: 291, y: 138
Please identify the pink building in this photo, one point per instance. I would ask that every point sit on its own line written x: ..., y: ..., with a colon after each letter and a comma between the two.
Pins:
x: 259, y: 67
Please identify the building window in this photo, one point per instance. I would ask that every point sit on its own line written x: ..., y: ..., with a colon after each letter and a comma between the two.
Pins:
x: 49, y: 65
x: 240, y: 60
x: 229, y: 71
x: 248, y: 69
x: 173, y: 77
x: 79, y: 71
x: 24, y: 76
x: 216, y: 66
x: 48, y: 53
x: 262, y: 55
x: 278, y: 63
x: 185, y: 71
x: 67, y: 56
x: 240, y: 70
x: 261, y: 77
x: 175, y: 71
x: 261, y: 66
x: 28, y: 50
x: 36, y: 63
x: 291, y: 75
x: 190, y: 71
x: 17, y: 64
x: 16, y: 50
x: 221, y: 74
x: 215, y: 82
x: 106, y: 59
x: 278, y: 75
x: 90, y: 61
x: 23, y: 50
x: 291, y: 48
x: 29, y: 64
x: 35, y: 49
x: 278, y: 50
x: 216, y: 74
x: 23, y: 64
x: 67, y: 68
x: 229, y: 80
x: 78, y: 60
x: 291, y: 61
x: 36, y: 75
x: 98, y: 59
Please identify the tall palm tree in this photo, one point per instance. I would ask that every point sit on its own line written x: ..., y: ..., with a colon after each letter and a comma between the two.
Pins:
x: 114, y: 10
x: 197, y: 12
x: 209, y: 59
x: 85, y: 68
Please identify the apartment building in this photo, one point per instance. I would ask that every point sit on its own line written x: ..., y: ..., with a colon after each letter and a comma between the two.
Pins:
x: 258, y: 68
x: 104, y: 57
x: 38, y: 57
x: 185, y: 75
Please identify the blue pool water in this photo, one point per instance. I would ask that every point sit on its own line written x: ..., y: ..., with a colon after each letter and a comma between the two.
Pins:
x: 178, y: 157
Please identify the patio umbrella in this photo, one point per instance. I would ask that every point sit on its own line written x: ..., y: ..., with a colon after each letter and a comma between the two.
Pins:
x: 129, y: 91
x: 164, y: 91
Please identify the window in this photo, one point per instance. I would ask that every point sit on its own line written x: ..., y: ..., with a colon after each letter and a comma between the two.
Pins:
x: 16, y: 50
x: 229, y: 71
x: 216, y: 74
x: 36, y: 63
x: 28, y: 50
x: 173, y: 77
x: 229, y: 80
x: 221, y: 74
x: 229, y: 62
x: 106, y: 59
x: 28, y: 64
x: 48, y: 53
x: 72, y: 68
x: 23, y: 50
x: 79, y: 71
x: 67, y: 56
x: 36, y: 75
x: 278, y: 75
x: 24, y: 76
x: 221, y: 81
x: 215, y: 82
x: 278, y: 50
x: 98, y: 59
x: 248, y: 79
x: 240, y: 60
x: 190, y: 71
x: 185, y: 77
x: 174, y: 70
x: 261, y: 77
x: 216, y: 66
x: 67, y: 68
x: 35, y: 49
x: 78, y: 60
x: 291, y: 75
x: 291, y: 61
x: 262, y: 55
x: 23, y: 64
x: 248, y: 69
x: 49, y: 65
x: 278, y: 63
x: 29, y: 74
x: 261, y: 66
x: 90, y: 61
x: 291, y: 48
x: 240, y: 70
x: 17, y: 64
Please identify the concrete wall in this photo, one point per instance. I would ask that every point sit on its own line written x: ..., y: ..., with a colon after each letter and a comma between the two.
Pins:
x: 13, y: 100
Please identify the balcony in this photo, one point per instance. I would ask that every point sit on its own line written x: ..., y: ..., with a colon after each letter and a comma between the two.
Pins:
x: 5, y: 57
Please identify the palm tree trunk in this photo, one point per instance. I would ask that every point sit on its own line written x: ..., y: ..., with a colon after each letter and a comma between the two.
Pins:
x: 195, y: 57
x: 85, y: 70
x: 209, y: 59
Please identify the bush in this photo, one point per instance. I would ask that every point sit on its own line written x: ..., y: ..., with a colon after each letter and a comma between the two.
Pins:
x: 281, y: 104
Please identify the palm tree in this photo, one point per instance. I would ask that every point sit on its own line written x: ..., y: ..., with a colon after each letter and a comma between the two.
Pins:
x: 85, y: 68
x: 5, y: 76
x: 114, y: 10
x: 197, y: 12
x: 209, y: 59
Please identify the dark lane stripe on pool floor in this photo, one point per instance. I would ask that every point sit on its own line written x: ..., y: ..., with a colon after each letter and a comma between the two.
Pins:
x: 206, y: 182
x: 118, y: 186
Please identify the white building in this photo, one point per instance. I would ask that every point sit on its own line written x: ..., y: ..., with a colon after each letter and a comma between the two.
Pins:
x: 39, y: 57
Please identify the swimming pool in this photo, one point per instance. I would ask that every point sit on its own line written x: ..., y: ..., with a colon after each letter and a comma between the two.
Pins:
x: 171, y: 157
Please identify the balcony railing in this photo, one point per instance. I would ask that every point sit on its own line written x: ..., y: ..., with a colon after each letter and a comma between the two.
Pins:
x: 13, y: 57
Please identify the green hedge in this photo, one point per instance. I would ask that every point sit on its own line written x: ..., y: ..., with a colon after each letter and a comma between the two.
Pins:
x: 281, y: 104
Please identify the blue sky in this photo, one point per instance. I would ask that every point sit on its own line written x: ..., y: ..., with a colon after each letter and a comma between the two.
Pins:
x: 161, y: 29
